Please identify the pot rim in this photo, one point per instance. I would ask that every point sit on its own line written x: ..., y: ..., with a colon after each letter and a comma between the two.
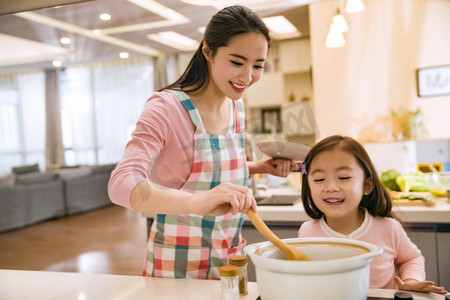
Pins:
x: 314, y: 267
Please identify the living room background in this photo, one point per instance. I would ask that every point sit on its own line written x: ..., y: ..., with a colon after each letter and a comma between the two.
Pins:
x: 99, y: 105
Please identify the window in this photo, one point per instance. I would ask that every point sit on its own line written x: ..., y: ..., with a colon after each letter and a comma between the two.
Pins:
x: 99, y: 103
x: 22, y: 120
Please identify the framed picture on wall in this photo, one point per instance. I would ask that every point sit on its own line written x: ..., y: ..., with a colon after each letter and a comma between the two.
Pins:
x: 433, y: 81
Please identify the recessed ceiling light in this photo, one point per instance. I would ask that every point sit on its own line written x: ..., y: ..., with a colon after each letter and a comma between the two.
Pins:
x: 175, y: 40
x: 124, y: 55
x: 211, y: 2
x: 65, y: 40
x: 280, y: 27
x: 105, y: 17
x: 57, y: 63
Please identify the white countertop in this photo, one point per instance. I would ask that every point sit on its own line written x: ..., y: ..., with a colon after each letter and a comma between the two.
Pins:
x: 39, y: 285
x: 440, y: 213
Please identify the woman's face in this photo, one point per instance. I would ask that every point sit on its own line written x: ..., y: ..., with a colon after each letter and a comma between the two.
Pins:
x: 337, y: 184
x: 238, y: 65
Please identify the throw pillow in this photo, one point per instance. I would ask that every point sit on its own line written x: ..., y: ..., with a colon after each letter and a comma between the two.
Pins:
x: 25, y: 169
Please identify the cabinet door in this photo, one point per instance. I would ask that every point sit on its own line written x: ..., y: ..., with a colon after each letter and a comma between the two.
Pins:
x: 443, y: 246
x: 295, y: 56
x: 426, y: 242
x: 267, y: 92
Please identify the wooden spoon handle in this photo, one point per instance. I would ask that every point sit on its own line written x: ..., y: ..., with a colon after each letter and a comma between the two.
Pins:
x: 262, y: 227
x: 290, y: 252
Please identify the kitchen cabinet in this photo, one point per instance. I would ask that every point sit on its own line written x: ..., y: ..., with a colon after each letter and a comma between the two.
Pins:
x: 267, y: 92
x: 425, y: 240
x: 295, y: 55
x: 443, y: 254
x: 287, y: 85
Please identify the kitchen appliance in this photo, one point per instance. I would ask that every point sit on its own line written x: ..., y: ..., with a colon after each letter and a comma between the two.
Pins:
x: 339, y: 269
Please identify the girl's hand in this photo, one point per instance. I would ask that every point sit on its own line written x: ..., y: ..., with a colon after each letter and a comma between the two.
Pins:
x: 419, y: 286
x: 279, y: 167
x: 223, y: 199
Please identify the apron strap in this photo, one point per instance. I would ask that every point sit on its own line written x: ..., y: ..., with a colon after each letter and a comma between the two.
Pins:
x: 239, y: 116
x: 190, y: 107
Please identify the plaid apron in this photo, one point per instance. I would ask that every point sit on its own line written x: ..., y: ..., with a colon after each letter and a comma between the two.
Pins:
x: 195, y: 246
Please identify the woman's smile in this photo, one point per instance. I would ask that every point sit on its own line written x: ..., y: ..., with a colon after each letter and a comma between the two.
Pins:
x: 238, y: 87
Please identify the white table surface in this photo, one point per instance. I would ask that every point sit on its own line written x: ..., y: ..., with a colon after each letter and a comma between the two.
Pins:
x: 39, y: 285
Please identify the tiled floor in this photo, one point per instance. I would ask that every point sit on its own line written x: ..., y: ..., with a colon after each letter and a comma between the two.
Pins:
x: 111, y: 240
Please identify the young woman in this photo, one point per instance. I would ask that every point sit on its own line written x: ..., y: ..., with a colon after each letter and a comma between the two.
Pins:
x: 341, y: 191
x: 186, y: 160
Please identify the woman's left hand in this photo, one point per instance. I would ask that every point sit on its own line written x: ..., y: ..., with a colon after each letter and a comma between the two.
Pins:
x: 419, y: 286
x: 279, y: 167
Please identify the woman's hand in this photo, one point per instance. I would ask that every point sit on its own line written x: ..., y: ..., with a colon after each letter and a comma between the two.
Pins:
x: 277, y: 167
x: 223, y: 199
x: 418, y: 286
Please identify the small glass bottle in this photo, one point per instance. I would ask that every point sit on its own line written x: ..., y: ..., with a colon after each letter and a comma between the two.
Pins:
x: 241, y: 262
x: 229, y: 281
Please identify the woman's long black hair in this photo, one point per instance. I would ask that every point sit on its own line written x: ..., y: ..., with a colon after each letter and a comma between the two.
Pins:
x: 224, y: 25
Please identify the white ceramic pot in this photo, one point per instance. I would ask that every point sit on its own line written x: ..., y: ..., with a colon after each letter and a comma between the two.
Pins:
x: 339, y: 269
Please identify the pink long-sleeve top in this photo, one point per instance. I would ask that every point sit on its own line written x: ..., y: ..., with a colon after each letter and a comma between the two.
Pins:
x: 160, y: 150
x: 398, y: 250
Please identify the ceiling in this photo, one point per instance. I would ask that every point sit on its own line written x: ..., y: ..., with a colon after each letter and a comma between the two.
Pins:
x: 43, y: 24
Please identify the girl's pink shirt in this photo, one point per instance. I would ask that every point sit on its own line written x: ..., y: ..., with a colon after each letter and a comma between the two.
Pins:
x: 160, y: 150
x: 398, y: 250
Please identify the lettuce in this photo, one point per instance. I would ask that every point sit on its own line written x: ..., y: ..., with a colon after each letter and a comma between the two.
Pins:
x: 412, y: 182
x: 388, y: 178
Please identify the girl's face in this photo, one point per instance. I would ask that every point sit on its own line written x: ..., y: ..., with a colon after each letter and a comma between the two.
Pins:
x: 337, y: 184
x: 238, y: 65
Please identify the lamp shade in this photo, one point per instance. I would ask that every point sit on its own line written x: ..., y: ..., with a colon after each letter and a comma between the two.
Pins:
x: 354, y: 6
x: 340, y: 23
x: 335, y: 38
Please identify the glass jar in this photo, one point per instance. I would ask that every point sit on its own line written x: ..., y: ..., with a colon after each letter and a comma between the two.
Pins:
x: 241, y: 262
x: 229, y: 281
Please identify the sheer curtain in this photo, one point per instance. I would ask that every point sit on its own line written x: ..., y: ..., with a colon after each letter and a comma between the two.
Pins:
x: 100, y: 104
x: 22, y: 120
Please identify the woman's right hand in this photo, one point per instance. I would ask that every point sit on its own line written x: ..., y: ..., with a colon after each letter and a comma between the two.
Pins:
x: 223, y: 199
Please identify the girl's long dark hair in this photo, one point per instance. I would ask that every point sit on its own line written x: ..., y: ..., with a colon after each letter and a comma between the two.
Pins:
x: 224, y: 25
x: 378, y: 202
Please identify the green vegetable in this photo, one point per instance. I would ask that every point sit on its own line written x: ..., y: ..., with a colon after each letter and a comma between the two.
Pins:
x: 388, y: 178
x: 412, y: 182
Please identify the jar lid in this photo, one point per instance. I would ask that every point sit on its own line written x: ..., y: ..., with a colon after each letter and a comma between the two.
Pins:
x: 228, y: 271
x: 238, y: 260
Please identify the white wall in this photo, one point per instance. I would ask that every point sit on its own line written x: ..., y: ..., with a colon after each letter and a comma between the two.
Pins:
x: 355, y: 86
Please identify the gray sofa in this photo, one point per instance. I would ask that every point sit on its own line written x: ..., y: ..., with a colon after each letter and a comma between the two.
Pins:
x: 87, y: 191
x: 28, y: 196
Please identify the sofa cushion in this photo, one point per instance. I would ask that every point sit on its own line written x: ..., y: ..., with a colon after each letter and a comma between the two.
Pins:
x: 25, y: 169
x: 7, y: 180
x: 35, y: 177
x: 68, y: 173
x: 98, y: 169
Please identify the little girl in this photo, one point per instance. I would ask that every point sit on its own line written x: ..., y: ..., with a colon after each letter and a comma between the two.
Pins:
x: 341, y: 191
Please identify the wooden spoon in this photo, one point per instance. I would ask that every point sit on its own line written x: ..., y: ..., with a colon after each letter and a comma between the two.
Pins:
x: 290, y: 252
